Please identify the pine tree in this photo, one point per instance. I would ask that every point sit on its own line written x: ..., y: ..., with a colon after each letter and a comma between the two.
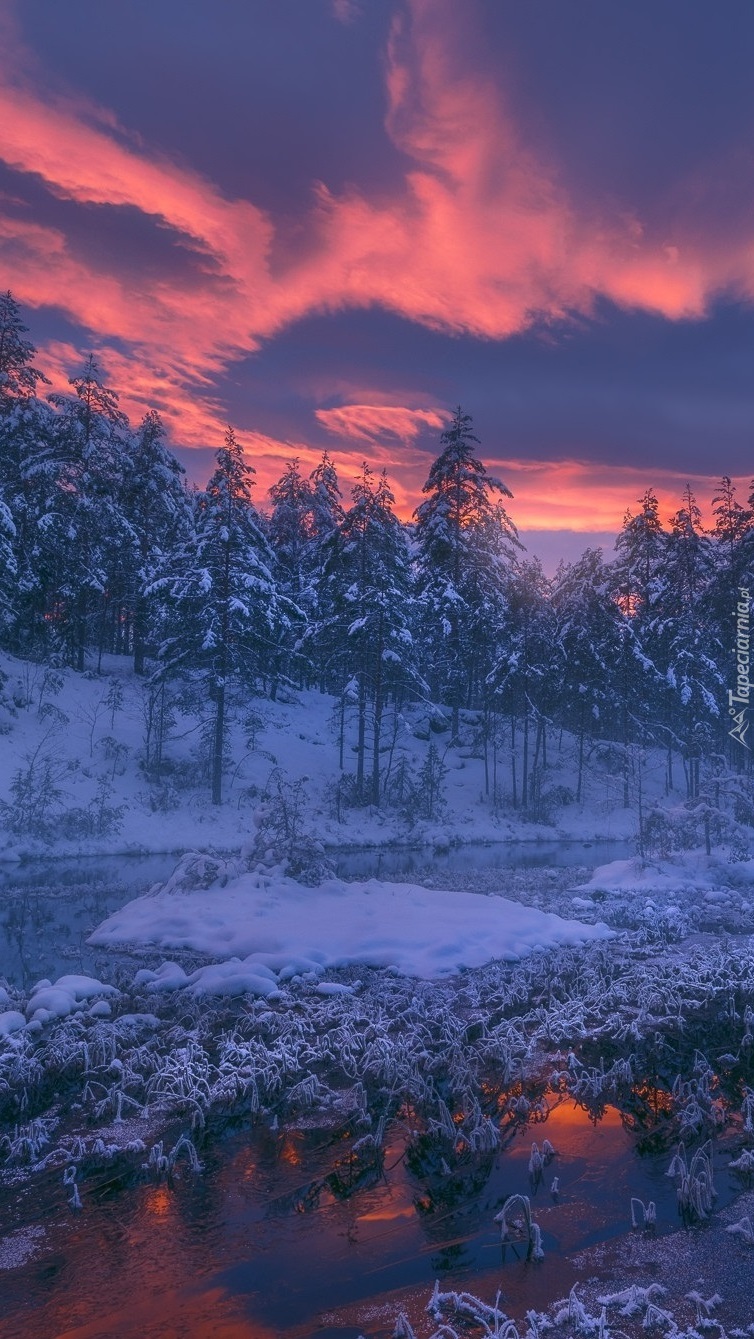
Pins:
x: 291, y: 527
x: 589, y: 646
x: 523, y: 678
x: 290, y: 532
x: 464, y: 542
x: 638, y: 567
x: 327, y: 515
x: 28, y: 481
x: 368, y: 577
x: 157, y: 508
x: 692, y: 656
x: 18, y: 376
x: 326, y: 499
x: 8, y: 570
x: 226, y: 614
x: 88, y: 523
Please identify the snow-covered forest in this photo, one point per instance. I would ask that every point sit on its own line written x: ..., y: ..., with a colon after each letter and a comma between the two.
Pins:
x: 438, y: 630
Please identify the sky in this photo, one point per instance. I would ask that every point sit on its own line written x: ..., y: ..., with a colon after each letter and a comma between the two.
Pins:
x: 329, y: 222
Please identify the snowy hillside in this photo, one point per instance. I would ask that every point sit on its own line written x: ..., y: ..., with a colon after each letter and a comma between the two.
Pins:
x: 75, y: 775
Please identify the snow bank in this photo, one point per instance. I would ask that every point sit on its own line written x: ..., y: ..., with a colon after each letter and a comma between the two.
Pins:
x: 278, y: 927
x: 686, y: 871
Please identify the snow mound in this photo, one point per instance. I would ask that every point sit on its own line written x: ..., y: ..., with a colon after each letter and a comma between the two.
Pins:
x: 11, y: 1021
x: 64, y: 997
x: 276, y: 926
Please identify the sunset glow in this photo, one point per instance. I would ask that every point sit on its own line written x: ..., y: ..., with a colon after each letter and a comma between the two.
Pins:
x: 454, y: 249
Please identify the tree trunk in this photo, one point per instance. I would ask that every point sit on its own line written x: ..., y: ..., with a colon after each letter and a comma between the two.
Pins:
x: 139, y: 640
x: 525, y: 762
x: 361, y: 741
x: 377, y: 712
x: 217, y: 749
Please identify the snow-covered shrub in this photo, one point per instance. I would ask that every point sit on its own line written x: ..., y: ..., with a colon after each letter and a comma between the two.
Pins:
x: 100, y: 818
x: 342, y: 793
x: 27, y: 1141
x: 283, y: 835
x: 36, y: 791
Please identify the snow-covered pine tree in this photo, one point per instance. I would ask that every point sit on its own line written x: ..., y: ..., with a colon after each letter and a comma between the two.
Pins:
x: 640, y: 549
x: 327, y: 515
x: 290, y: 527
x: 693, y: 652
x: 8, y: 570
x: 19, y: 378
x: 733, y: 550
x: 225, y: 615
x: 290, y: 530
x: 588, y: 640
x: 157, y: 507
x: 27, y: 482
x: 523, y: 678
x: 326, y: 499
x: 639, y: 582
x: 464, y: 541
x: 369, y: 603
x: 87, y: 527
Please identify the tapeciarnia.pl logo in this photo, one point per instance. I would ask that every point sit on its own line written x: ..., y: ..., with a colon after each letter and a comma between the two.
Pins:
x: 740, y: 698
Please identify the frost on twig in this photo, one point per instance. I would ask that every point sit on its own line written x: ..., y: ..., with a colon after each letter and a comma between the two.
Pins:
x: 643, y: 1215
x: 742, y: 1229
x: 524, y: 1227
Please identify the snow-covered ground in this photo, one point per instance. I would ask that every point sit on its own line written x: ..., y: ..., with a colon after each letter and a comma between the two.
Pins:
x: 258, y: 996
x: 85, y: 736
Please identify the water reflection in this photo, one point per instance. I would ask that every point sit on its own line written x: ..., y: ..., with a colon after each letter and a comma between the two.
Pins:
x: 273, y: 1240
x: 373, y: 864
x: 48, y: 908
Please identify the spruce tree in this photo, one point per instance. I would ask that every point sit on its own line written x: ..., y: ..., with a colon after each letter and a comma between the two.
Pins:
x: 589, y: 650
x: 157, y: 508
x: 90, y: 444
x: 693, y: 653
x: 368, y: 598
x: 8, y: 571
x: 464, y: 542
x: 225, y: 614
x: 18, y: 376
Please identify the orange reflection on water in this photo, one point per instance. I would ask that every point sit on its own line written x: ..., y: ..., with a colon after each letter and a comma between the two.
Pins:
x: 208, y: 1315
x: 157, y: 1201
x: 289, y: 1153
x: 388, y: 1213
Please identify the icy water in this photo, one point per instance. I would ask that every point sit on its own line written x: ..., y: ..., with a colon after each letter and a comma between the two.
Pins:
x: 370, y: 864
x: 269, y: 1240
x: 48, y: 908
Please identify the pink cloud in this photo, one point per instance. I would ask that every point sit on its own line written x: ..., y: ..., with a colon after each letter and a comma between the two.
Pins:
x: 482, y: 236
x: 370, y: 423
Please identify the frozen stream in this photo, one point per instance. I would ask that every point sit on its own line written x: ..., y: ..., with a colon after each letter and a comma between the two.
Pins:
x: 277, y: 1236
x: 266, y: 1242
